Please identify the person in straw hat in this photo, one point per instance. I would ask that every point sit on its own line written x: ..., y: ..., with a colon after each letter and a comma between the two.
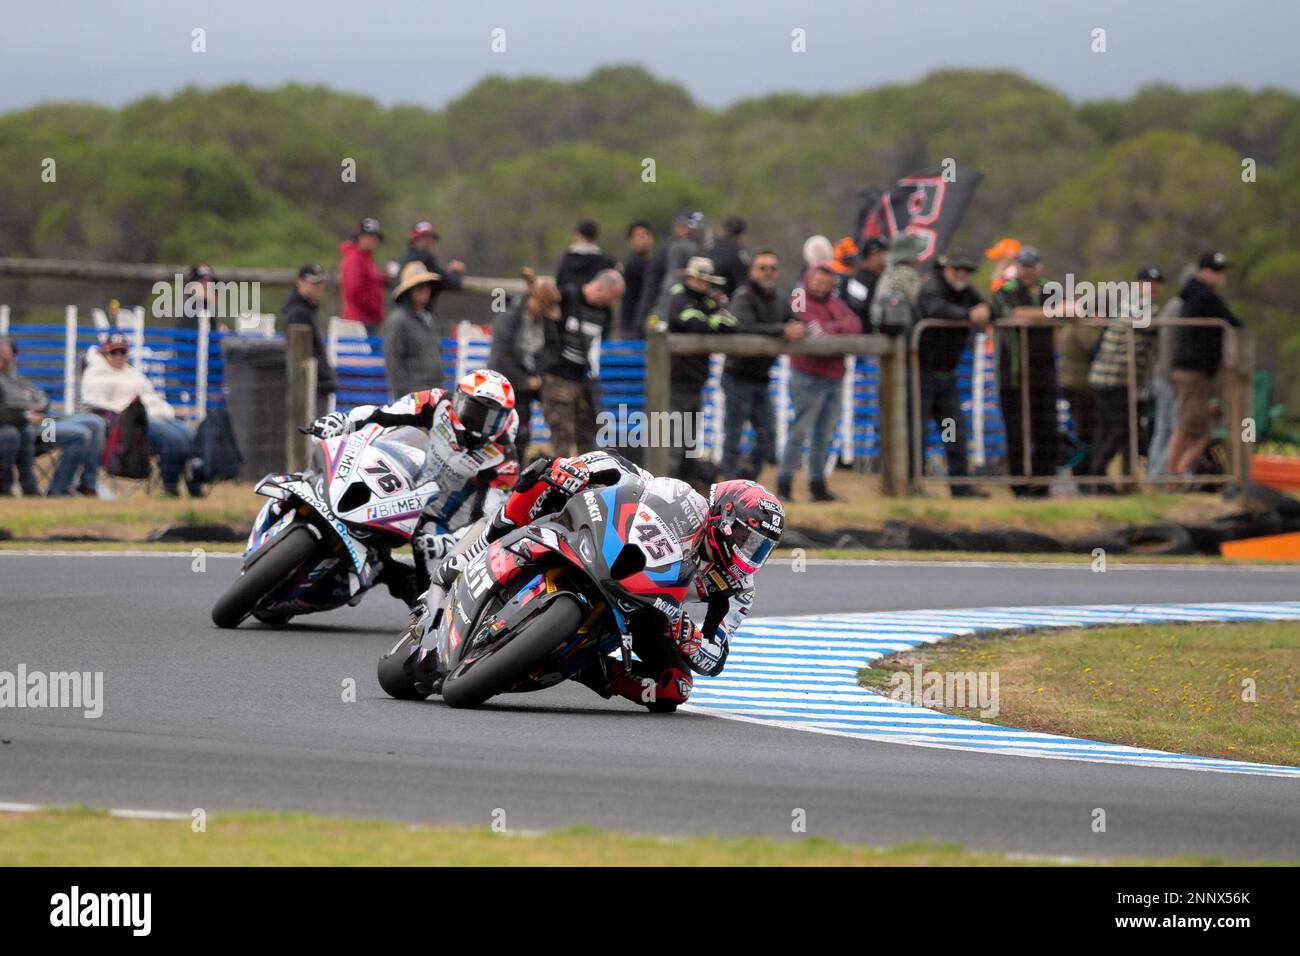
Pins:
x: 412, y: 358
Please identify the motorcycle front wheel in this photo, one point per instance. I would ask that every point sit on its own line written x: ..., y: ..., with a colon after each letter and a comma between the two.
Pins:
x: 284, y: 556
x: 473, y: 682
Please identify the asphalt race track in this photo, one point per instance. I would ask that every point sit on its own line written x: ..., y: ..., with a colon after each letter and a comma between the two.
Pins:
x: 197, y: 717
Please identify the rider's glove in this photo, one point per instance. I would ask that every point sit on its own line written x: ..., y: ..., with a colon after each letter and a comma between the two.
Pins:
x: 568, y: 475
x: 330, y: 426
x: 688, y: 637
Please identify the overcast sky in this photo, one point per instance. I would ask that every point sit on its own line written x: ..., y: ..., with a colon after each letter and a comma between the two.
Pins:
x: 720, y: 50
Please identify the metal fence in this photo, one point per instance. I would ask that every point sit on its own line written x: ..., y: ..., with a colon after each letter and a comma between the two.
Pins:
x: 1234, y: 400
x: 188, y: 369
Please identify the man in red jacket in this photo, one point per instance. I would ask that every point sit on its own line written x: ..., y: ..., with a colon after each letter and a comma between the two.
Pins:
x: 360, y: 278
x: 815, y: 382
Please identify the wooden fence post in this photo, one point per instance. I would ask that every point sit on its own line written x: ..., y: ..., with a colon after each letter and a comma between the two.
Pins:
x: 895, y: 478
x: 300, y: 397
x: 657, y: 363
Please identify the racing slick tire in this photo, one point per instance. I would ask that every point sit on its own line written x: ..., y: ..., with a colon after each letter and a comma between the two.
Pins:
x: 473, y: 682
x: 283, y: 557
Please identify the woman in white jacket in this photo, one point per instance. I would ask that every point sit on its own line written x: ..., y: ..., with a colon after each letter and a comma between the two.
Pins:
x: 109, y: 384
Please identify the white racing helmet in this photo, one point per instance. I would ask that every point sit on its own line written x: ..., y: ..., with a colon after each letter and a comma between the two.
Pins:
x: 483, y: 407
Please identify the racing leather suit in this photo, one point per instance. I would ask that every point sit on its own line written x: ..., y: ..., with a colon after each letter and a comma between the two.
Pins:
x: 674, y: 645
x: 470, y: 481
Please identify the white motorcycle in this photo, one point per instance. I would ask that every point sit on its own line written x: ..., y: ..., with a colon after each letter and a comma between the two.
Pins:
x: 325, y: 534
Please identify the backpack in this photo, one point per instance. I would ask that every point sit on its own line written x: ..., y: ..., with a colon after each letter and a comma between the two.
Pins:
x: 126, y: 453
x: 217, y: 447
x: 892, y: 314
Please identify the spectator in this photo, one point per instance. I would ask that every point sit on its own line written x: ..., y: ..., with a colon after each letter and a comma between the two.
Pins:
x: 949, y: 294
x: 300, y: 309
x: 897, y: 294
x: 412, y: 351
x: 1021, y: 297
x: 518, y: 341
x: 422, y: 247
x: 1108, y: 376
x: 1003, y: 255
x: 640, y: 245
x: 729, y: 256
x: 1077, y: 344
x: 844, y: 259
x: 1198, y: 354
x: 683, y: 244
x: 817, y: 250
x: 815, y: 383
x: 567, y: 398
x: 746, y: 381
x: 203, y: 280
x: 360, y: 279
x: 24, y: 411
x: 693, y: 307
x: 110, y: 384
x: 11, y: 448
x: 1164, y: 399
x: 584, y: 258
x: 21, y: 403
x: 857, y: 289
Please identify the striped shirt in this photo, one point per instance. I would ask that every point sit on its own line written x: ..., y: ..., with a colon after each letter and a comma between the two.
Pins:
x: 1110, y: 366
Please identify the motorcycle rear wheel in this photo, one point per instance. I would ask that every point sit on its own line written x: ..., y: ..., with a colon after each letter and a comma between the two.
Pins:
x: 284, y: 556
x: 471, y: 684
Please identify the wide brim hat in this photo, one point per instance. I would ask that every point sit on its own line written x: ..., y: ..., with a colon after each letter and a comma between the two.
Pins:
x: 413, y: 274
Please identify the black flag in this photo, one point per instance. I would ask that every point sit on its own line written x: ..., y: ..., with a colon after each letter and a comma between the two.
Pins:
x: 929, y: 204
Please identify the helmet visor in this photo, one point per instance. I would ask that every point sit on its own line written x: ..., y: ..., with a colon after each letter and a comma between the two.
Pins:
x: 750, y: 548
x: 480, y: 418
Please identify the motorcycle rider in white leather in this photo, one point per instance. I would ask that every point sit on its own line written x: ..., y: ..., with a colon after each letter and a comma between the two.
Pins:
x: 470, y: 455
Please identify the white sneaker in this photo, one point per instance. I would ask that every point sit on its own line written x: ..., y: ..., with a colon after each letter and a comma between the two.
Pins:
x: 105, y: 493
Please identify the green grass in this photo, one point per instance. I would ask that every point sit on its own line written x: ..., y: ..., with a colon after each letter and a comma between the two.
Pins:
x: 84, y: 837
x: 132, y: 517
x: 161, y: 547
x: 1176, y: 687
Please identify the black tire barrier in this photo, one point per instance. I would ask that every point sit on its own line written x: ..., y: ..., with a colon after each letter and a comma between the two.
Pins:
x: 1116, y: 543
x: 198, y: 532
x: 1158, y: 539
x: 1206, y: 538
x: 1260, y: 498
x: 1250, y: 525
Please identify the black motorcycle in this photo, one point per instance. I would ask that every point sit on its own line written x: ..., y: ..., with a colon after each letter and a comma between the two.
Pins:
x: 550, y: 599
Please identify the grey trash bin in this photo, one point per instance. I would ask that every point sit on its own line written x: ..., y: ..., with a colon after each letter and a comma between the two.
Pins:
x: 255, y: 396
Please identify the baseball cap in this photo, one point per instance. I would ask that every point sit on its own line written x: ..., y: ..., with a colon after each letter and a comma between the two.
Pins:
x: 690, y: 217
x: 873, y: 245
x: 1216, y: 261
x: 420, y: 229
x: 958, y: 259
x: 1150, y: 274
x: 1005, y: 248
x: 115, y: 340
x: 369, y: 227
x: 312, y: 272
x: 1029, y: 256
x: 701, y: 267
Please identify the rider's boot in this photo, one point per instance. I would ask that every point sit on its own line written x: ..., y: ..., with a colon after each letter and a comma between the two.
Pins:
x: 402, y: 581
x: 672, y: 685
